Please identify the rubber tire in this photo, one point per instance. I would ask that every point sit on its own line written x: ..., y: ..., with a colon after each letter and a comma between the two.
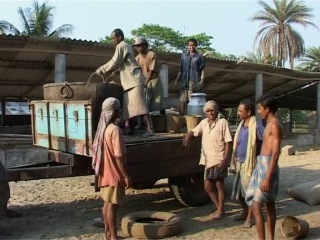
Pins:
x: 170, y: 226
x: 189, y: 190
x: 143, y: 185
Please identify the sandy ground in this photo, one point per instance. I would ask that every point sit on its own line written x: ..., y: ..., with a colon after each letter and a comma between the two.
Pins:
x: 65, y: 208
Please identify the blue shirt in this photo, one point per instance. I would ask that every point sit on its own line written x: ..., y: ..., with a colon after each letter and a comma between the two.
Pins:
x: 190, y: 68
x: 243, y: 141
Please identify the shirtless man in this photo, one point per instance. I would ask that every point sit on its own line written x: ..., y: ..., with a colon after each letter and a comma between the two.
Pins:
x: 264, y: 182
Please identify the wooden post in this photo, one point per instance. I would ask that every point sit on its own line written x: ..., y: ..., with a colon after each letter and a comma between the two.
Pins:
x: 258, y: 89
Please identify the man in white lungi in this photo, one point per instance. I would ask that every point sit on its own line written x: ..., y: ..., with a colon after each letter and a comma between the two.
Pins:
x: 132, y: 81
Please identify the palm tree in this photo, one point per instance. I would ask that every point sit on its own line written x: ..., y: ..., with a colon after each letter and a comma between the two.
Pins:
x: 37, y: 21
x: 277, y: 37
x: 311, y: 60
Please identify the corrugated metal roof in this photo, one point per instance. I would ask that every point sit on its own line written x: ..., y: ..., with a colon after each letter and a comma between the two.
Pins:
x: 27, y: 63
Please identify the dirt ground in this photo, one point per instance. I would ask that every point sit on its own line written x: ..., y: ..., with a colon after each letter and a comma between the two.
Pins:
x: 65, y: 208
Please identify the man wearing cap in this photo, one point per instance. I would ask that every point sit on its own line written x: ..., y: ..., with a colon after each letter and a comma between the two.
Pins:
x: 148, y: 62
x: 215, y: 154
x: 108, y: 161
x: 132, y: 81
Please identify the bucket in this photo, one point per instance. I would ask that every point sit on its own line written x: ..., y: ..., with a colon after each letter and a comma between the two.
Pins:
x: 174, y: 123
x: 192, y: 121
x: 159, y: 123
x: 293, y: 228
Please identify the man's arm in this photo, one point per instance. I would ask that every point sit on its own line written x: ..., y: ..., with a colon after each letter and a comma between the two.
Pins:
x: 114, y: 63
x: 227, y: 153
x: 127, y: 179
x: 178, y: 77
x: 186, y: 139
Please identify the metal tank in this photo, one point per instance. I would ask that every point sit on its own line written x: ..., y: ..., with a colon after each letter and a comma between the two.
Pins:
x: 196, y: 103
x: 75, y: 91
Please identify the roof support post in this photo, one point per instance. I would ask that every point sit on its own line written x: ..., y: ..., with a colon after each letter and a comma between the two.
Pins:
x: 3, y: 112
x: 258, y: 87
x: 318, y: 114
x: 60, y: 68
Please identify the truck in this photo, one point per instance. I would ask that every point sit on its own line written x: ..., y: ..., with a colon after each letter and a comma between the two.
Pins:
x: 65, y: 122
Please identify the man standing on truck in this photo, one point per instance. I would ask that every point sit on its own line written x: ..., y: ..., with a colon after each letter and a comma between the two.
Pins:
x: 215, y: 154
x: 191, y: 72
x: 132, y: 81
x: 108, y: 161
x: 246, y: 146
x: 148, y: 61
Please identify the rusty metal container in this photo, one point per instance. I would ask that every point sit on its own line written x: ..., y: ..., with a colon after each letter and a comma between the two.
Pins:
x: 75, y: 91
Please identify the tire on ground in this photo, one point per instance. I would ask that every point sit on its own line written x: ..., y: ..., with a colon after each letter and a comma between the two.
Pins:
x: 151, y: 224
x: 189, y: 190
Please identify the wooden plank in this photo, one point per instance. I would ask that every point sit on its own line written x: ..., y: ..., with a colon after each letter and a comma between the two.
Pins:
x: 32, y: 173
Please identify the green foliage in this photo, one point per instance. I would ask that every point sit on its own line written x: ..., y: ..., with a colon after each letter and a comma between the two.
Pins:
x: 311, y: 60
x: 108, y: 40
x: 259, y: 58
x: 37, y: 21
x: 161, y: 38
x: 165, y: 39
x: 277, y: 37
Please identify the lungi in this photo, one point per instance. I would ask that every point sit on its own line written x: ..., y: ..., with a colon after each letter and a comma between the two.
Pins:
x: 259, y: 173
x: 134, y: 103
x: 154, y: 95
x: 240, y: 182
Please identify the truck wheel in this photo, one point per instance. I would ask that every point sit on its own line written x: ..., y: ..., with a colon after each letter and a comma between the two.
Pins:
x: 188, y: 190
x: 143, y: 185
x: 151, y: 224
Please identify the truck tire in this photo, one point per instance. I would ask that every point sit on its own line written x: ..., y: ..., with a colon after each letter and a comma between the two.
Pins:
x: 143, y: 185
x: 151, y: 224
x: 188, y: 190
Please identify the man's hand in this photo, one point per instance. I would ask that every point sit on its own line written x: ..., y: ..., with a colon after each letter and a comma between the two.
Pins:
x: 265, y: 185
x: 224, y: 164
x: 93, y: 165
x: 128, y: 182
x: 186, y: 142
x: 98, y: 71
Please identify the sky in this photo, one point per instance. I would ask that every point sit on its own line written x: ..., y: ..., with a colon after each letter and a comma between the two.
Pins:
x: 227, y: 21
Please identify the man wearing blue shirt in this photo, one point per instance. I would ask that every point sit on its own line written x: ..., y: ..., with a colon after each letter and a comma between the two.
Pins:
x: 246, y: 146
x: 191, y: 72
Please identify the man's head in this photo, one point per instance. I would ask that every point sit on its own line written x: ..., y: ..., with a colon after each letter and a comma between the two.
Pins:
x: 113, y: 105
x: 246, y: 109
x: 192, y: 45
x: 211, y: 110
x: 141, y: 45
x: 117, y: 36
x: 267, y: 103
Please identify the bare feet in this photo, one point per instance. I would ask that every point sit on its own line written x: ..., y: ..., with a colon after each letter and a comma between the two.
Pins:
x: 248, y: 223
x: 217, y: 215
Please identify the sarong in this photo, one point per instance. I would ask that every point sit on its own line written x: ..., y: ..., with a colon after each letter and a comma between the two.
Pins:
x: 134, y: 103
x: 240, y: 182
x: 215, y: 172
x: 259, y: 173
x: 154, y: 95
